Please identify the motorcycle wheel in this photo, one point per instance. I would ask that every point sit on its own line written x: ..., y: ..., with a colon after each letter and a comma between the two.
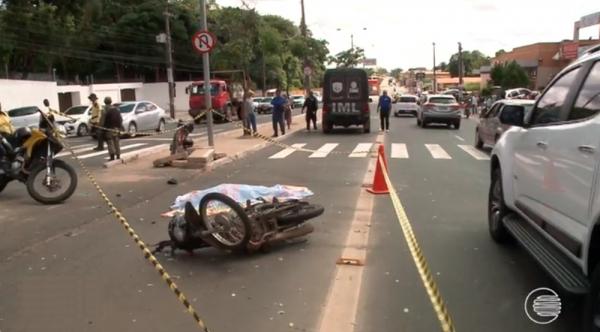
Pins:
x: 221, y: 213
x: 34, y: 179
x: 302, y: 212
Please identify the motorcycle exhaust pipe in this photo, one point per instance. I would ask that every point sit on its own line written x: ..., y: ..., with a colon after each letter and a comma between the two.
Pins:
x: 291, y: 233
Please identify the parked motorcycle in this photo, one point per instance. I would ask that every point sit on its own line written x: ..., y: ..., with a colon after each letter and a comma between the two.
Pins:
x: 31, y: 160
x: 222, y: 223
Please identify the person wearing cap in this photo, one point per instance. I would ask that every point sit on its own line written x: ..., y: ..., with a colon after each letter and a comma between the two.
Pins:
x: 95, y: 121
x: 311, y: 104
x: 113, y: 122
x: 249, y: 111
x: 384, y: 108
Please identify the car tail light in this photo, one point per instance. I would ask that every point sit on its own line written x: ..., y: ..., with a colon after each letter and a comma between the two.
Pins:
x: 455, y: 107
x: 428, y: 106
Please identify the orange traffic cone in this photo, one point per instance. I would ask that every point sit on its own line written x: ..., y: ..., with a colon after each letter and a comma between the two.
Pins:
x: 379, y: 184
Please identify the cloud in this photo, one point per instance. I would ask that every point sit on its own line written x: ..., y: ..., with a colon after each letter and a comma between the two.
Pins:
x: 485, y: 7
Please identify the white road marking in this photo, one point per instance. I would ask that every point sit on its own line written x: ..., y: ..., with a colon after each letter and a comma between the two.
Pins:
x: 68, y: 153
x: 459, y: 138
x: 286, y: 152
x: 125, y: 155
x: 437, y: 152
x: 399, y: 151
x: 99, y: 153
x: 81, y: 146
x: 159, y: 139
x: 361, y: 150
x: 474, y: 152
x: 324, y: 150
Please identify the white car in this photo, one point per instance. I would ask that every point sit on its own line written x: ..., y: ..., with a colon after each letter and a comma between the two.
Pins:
x: 439, y: 109
x: 142, y: 116
x: 297, y: 101
x: 519, y: 93
x: 545, y: 182
x: 406, y: 104
x: 29, y: 116
x: 78, y: 120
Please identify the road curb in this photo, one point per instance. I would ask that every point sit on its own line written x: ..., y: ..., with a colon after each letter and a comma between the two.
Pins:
x: 138, y: 155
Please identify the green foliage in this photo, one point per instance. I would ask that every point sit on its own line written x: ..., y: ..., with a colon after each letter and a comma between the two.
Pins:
x: 117, y: 40
x: 443, y: 66
x: 472, y: 86
x: 395, y: 73
x: 348, y: 58
x: 509, y: 75
x: 471, y: 61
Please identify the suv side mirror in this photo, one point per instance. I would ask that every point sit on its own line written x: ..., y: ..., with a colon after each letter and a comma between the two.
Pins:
x: 187, y: 90
x: 514, y: 118
x: 370, y: 100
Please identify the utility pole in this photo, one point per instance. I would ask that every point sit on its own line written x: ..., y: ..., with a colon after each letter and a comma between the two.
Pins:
x: 460, y: 64
x: 434, y: 78
x: 352, y: 40
x: 169, y: 62
x: 206, y: 71
x: 306, y: 63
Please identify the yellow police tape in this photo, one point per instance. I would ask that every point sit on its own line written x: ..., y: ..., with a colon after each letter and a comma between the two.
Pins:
x: 147, y: 253
x: 417, y: 254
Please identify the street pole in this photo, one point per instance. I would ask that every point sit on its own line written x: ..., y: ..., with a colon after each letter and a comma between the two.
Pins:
x: 206, y: 71
x: 434, y: 78
x: 352, y: 40
x: 460, y: 72
x: 169, y: 52
x: 306, y: 64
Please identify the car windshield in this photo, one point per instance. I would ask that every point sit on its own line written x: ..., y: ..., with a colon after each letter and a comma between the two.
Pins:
x: 125, y: 108
x: 76, y: 110
x: 23, y: 111
x: 199, y: 89
x: 408, y: 100
x: 442, y: 100
x: 297, y: 97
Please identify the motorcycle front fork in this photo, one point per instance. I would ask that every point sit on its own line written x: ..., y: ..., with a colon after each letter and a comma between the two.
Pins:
x: 49, y: 168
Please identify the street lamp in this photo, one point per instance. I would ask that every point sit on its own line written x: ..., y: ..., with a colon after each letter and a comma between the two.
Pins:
x: 351, y: 36
x: 434, y: 78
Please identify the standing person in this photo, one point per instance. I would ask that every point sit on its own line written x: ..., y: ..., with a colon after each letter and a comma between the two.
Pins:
x: 249, y: 110
x: 278, y: 113
x: 49, y: 116
x: 384, y: 108
x: 288, y: 111
x: 95, y: 121
x: 113, y: 122
x: 311, y: 104
x: 474, y: 104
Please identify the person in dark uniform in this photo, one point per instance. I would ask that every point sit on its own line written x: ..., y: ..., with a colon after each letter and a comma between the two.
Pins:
x: 384, y: 108
x: 113, y: 122
x: 311, y: 104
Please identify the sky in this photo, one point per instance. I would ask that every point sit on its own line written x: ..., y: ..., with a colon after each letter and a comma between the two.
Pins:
x: 399, y: 34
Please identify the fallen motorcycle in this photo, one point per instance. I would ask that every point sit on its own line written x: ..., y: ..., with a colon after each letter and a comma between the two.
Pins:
x: 222, y: 223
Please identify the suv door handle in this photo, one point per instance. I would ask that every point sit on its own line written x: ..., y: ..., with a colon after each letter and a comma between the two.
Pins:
x: 542, y: 145
x: 586, y: 149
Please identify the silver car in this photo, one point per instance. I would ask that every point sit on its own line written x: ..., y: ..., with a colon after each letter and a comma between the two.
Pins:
x: 439, y: 109
x: 142, y: 116
x: 29, y: 116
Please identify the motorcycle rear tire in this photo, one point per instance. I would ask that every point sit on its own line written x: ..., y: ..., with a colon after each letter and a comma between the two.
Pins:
x: 304, y: 211
x: 215, y: 241
x: 59, y: 199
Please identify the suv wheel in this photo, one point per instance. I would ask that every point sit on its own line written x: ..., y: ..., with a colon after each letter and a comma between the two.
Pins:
x: 457, y: 125
x: 591, y: 318
x: 326, y: 127
x: 418, y: 122
x: 497, y: 210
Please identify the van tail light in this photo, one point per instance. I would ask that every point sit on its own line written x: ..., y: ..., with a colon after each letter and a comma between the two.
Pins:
x: 365, y: 108
x: 325, y: 108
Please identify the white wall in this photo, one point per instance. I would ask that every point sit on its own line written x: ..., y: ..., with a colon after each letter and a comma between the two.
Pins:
x: 16, y: 93
x: 159, y: 94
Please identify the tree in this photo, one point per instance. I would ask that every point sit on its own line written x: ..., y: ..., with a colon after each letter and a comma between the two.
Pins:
x: 348, y: 58
x: 381, y: 71
x: 396, y: 72
x: 471, y: 60
x: 509, y: 75
x: 443, y: 66
x: 500, y: 52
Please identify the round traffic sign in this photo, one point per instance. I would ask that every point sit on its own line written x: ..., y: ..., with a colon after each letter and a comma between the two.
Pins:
x: 307, y: 71
x: 203, y: 41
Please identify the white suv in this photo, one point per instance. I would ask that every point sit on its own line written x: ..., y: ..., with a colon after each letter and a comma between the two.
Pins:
x: 545, y: 188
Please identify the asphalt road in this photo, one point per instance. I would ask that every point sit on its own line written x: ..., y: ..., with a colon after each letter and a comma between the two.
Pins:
x: 73, y: 268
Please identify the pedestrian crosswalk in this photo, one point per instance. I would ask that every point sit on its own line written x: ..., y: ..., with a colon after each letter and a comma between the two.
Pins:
x: 397, y: 151
x: 86, y: 151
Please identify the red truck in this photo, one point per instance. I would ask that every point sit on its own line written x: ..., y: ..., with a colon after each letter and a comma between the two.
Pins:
x: 225, y: 98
